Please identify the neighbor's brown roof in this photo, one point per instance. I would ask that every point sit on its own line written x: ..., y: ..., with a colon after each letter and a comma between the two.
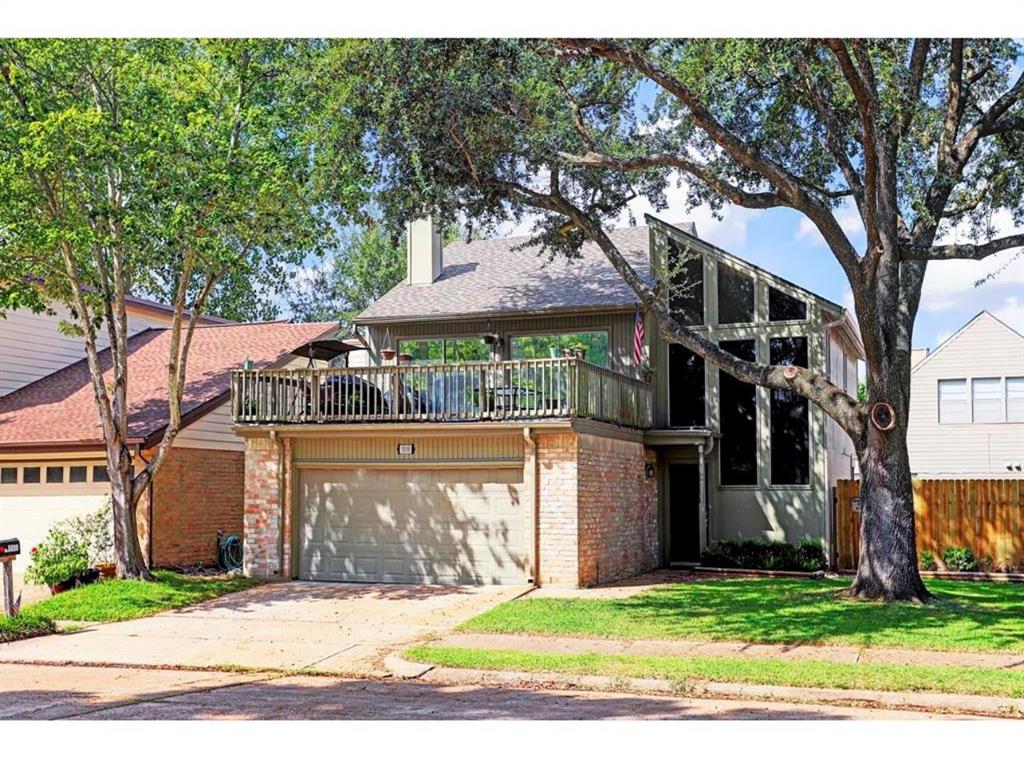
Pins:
x: 491, y: 276
x: 59, y: 409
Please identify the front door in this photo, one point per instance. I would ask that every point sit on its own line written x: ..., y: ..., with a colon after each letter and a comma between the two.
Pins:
x: 684, y: 519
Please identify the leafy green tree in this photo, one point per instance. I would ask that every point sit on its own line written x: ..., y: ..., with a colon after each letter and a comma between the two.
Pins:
x: 367, y: 264
x: 180, y: 166
x: 920, y: 136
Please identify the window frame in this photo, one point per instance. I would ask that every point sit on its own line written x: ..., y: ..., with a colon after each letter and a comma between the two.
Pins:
x: 1006, y: 398
x: 1000, y: 395
x: 769, y: 481
x: 722, y: 265
x: 758, y: 478
x: 444, y: 347
x: 967, y: 401
x: 559, y: 333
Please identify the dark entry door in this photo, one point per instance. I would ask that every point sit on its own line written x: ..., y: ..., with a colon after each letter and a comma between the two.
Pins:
x: 684, y: 513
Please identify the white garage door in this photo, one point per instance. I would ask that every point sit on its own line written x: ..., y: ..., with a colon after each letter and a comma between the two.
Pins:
x: 413, y: 526
x: 28, y: 518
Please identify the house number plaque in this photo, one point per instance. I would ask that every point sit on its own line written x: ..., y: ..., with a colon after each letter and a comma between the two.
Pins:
x: 406, y: 449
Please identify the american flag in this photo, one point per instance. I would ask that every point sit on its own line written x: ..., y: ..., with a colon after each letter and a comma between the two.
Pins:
x: 638, y: 338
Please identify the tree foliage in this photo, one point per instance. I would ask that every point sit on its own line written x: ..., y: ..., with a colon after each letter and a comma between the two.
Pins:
x: 925, y: 138
x: 177, y: 167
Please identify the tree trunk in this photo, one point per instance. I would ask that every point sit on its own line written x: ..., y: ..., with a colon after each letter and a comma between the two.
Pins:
x: 887, y: 565
x: 128, y: 555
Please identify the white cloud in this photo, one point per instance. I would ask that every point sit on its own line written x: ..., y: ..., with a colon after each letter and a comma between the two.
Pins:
x: 1011, y: 313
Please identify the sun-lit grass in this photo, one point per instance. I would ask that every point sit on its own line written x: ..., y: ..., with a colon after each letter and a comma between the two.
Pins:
x: 964, y: 615
x: 814, y: 674
x: 113, y: 599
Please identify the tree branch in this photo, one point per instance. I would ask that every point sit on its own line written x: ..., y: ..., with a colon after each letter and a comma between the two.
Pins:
x: 962, y: 251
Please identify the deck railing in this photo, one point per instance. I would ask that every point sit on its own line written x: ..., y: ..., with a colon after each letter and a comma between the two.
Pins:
x: 508, y: 390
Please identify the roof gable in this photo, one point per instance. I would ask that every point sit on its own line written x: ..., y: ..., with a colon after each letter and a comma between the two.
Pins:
x: 983, y: 317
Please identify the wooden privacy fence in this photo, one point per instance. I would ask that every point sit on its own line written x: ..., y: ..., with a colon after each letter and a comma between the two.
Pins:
x: 986, y: 515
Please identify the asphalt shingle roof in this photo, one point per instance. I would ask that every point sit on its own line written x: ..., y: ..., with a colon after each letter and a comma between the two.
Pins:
x: 492, y: 276
x: 60, y: 409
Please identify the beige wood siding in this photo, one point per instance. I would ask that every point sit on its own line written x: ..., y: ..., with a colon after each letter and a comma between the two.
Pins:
x: 212, y: 431
x: 32, y: 346
x: 490, y: 448
x: 985, y: 348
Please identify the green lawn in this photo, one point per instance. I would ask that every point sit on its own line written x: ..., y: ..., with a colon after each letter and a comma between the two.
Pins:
x: 965, y: 615
x: 113, y: 600
x: 680, y: 670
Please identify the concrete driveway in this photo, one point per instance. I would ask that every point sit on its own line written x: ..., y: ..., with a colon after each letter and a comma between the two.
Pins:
x: 348, y: 628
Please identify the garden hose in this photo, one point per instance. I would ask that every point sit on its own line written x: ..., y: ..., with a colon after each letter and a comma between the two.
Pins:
x: 229, y: 553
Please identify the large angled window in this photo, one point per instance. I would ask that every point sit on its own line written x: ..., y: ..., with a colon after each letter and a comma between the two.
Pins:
x: 738, y: 445
x: 790, y: 418
x: 686, y: 387
x: 735, y: 296
x: 686, y: 284
x: 782, y: 307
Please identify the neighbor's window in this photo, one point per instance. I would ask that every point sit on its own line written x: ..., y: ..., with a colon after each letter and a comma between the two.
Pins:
x: 735, y: 296
x: 738, y: 445
x: 953, y: 401
x: 544, y: 346
x: 686, y: 284
x: 782, y: 307
x: 432, y: 351
x: 790, y: 418
x: 1015, y: 399
x: 686, y: 387
x: 8, y: 475
x: 99, y: 474
x: 55, y: 474
x: 30, y: 475
x: 987, y: 400
x: 76, y: 474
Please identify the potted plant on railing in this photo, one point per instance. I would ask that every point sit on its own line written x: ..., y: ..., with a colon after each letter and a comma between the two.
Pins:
x: 576, y: 349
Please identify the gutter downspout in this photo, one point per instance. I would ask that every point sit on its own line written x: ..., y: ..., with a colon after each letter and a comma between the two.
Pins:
x: 703, y: 450
x: 531, y: 444
x: 149, y: 514
x: 279, y: 444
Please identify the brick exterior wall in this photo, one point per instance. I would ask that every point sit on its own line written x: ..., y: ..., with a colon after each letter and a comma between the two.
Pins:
x: 262, y: 508
x: 196, y: 492
x: 618, y: 510
x: 597, y: 512
x: 558, y: 551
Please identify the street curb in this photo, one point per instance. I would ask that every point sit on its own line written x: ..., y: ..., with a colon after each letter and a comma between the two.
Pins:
x: 961, y: 704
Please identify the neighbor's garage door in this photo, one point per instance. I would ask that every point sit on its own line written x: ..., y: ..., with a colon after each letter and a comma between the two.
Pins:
x: 462, y: 526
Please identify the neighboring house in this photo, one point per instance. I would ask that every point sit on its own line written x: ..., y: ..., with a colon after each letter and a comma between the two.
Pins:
x: 32, y: 345
x: 967, y: 404
x: 52, y: 458
x: 491, y: 457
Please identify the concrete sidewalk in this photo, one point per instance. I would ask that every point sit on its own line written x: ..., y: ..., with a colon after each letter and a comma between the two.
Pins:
x: 735, y: 649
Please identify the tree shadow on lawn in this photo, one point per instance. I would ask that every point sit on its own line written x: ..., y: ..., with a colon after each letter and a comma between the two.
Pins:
x: 799, y: 611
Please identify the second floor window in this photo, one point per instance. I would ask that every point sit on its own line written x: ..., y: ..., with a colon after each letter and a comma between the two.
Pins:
x: 987, y: 399
x: 433, y: 351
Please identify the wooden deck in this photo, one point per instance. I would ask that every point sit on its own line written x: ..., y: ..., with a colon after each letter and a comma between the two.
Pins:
x: 513, y: 390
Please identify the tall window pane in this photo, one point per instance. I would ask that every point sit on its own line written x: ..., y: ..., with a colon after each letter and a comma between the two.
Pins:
x: 686, y: 387
x: 735, y: 296
x: 686, y: 284
x: 790, y: 419
x: 953, y: 401
x: 782, y: 307
x: 987, y: 400
x: 738, y: 444
x: 423, y: 351
x: 1015, y: 399
x: 466, y: 351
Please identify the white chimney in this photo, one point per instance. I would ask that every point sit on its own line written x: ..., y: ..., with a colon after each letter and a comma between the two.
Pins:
x: 424, y: 251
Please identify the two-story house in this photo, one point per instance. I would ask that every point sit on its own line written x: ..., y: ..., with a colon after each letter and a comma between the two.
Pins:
x: 504, y: 431
x: 967, y: 404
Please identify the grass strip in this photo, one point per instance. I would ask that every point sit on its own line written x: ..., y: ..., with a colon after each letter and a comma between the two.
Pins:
x: 815, y: 674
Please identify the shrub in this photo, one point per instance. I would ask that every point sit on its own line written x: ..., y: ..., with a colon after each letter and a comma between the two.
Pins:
x: 928, y: 561
x: 60, y: 557
x: 96, y: 532
x: 761, y: 554
x: 960, y: 559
